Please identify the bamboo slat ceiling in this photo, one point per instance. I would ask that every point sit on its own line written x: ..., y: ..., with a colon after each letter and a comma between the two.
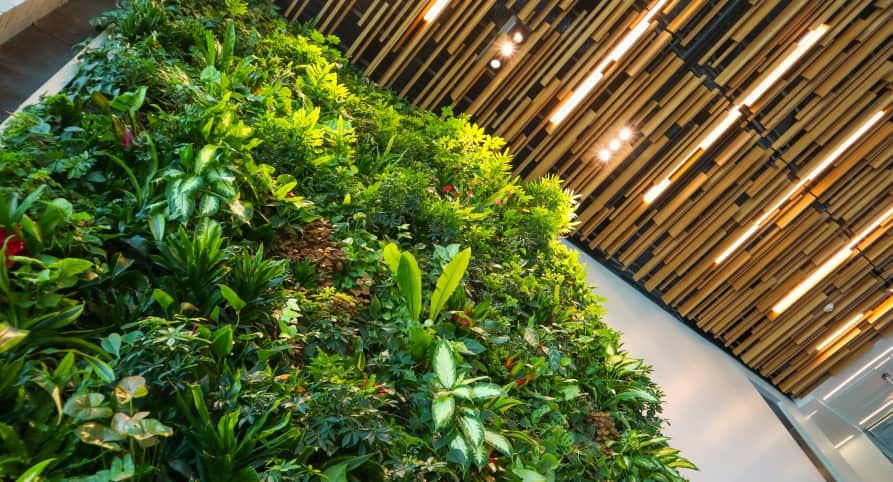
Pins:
x: 784, y: 178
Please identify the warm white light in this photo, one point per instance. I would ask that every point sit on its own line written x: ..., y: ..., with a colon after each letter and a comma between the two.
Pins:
x: 656, y: 190
x: 719, y: 130
x: 826, y: 162
x: 844, y: 441
x: 619, y: 50
x: 812, y: 414
x: 829, y: 266
x: 435, y: 10
x: 735, y: 113
x: 858, y: 373
x: 879, y: 410
x: 840, y: 331
x: 604, y: 155
x: 614, y: 145
x: 802, y: 46
x: 625, y: 134
x: 517, y: 37
x: 507, y: 48
x: 496, y: 63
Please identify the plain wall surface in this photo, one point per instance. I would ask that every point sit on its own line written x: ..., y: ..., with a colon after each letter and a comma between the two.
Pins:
x: 718, y: 419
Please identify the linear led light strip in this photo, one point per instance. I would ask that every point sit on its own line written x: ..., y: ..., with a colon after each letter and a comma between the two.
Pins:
x: 435, y: 10
x: 825, y: 269
x: 844, y: 441
x: 879, y: 410
x: 852, y: 377
x: 803, y: 45
x: 619, y: 51
x: 875, y: 313
x: 829, y: 159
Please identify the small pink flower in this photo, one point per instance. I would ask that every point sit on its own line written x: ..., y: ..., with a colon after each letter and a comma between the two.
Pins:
x: 128, y: 138
x: 291, y: 194
x: 497, y: 201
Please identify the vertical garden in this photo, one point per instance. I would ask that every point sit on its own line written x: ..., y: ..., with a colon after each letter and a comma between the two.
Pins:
x: 228, y: 257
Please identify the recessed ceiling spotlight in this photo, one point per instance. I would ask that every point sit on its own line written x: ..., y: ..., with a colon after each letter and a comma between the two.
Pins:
x: 625, y: 134
x: 614, y: 145
x: 495, y: 63
x: 604, y: 155
x: 518, y: 37
x: 507, y: 49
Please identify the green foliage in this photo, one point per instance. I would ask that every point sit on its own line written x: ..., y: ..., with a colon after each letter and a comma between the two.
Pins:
x: 222, y: 209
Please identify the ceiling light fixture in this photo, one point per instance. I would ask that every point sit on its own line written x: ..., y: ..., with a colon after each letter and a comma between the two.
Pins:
x: 435, y: 10
x: 507, y: 49
x: 829, y: 159
x: 840, y: 331
x: 829, y: 266
x: 844, y: 441
x: 518, y: 37
x: 495, y: 63
x: 614, y: 145
x: 625, y: 134
x: 604, y: 155
x: 859, y: 372
x: 593, y: 78
x: 879, y: 410
x: 734, y: 114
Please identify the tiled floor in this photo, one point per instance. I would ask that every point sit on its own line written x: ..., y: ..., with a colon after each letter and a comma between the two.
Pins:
x: 34, y: 55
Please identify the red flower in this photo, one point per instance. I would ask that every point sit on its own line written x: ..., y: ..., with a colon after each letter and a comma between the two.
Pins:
x: 128, y: 138
x: 497, y: 201
x: 448, y: 188
x: 457, y: 193
x: 291, y: 194
x: 14, y: 245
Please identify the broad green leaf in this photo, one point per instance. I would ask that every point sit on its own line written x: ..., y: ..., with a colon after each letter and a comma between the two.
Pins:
x: 409, y: 279
x: 156, y: 226
x: 485, y: 390
x: 246, y: 474
x: 102, y: 369
x: 131, y: 387
x: 112, y: 344
x: 204, y: 158
x: 419, y: 339
x: 10, y: 336
x: 130, y: 101
x: 391, y: 256
x: 98, y: 434
x: 448, y: 281
x: 222, y: 343
x: 442, y: 409
x: 86, y: 406
x: 162, y: 298
x: 473, y: 430
x: 459, y: 452
x: 462, y: 392
x: 499, y: 443
x: 33, y: 472
x: 336, y: 473
x: 632, y: 394
x: 527, y: 475
x: 445, y: 365
x: 232, y: 298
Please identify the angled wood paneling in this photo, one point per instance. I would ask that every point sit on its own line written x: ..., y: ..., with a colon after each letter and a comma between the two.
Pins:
x: 696, y: 61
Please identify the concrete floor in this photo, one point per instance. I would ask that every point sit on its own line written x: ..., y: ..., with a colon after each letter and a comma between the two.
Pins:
x: 34, y: 55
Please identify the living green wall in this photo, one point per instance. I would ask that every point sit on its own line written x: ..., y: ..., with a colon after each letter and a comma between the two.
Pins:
x: 226, y: 256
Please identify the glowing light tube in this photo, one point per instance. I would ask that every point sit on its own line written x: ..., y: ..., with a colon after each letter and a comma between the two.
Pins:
x: 879, y: 410
x: 859, y: 372
x: 435, y: 10
x: 828, y: 266
x: 803, y: 46
x: 826, y: 162
x: 840, y: 331
x: 614, y: 55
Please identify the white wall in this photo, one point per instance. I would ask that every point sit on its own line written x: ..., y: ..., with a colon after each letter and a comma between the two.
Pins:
x: 718, y: 419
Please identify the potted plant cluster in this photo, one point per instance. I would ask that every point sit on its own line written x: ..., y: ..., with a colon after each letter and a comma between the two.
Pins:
x: 228, y: 257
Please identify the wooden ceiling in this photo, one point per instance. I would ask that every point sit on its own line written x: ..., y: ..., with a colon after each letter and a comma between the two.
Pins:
x: 795, y: 184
